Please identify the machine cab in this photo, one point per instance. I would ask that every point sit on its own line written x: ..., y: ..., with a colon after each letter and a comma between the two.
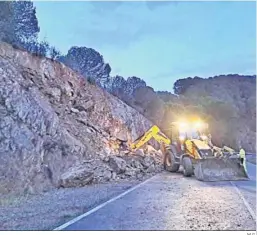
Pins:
x: 183, y: 131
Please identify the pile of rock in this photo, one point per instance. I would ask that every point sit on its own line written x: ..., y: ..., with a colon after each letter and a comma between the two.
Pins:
x: 113, y: 168
x: 134, y: 166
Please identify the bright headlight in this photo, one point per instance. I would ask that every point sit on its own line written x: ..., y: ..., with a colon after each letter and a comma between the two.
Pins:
x: 182, y: 125
x: 203, y: 137
x: 198, y: 125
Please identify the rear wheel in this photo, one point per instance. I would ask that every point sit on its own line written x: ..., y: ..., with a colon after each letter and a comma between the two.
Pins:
x: 169, y: 162
x: 188, y: 169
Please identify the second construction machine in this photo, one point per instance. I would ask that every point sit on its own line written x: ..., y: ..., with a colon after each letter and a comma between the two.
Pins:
x: 188, y: 146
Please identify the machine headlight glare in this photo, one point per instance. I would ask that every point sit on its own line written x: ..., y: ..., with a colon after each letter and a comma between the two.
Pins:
x: 182, y: 125
x: 198, y: 125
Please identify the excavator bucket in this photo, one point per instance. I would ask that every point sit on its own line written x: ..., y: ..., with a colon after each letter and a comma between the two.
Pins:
x: 220, y: 169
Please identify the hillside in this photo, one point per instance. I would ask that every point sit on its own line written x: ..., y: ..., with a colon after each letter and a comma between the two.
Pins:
x: 58, y: 130
x: 227, y: 102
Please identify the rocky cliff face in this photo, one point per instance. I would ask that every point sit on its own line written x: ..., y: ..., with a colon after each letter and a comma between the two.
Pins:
x: 53, y: 122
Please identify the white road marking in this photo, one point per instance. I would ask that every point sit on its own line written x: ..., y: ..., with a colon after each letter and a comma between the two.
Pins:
x: 251, y: 211
x: 101, y: 205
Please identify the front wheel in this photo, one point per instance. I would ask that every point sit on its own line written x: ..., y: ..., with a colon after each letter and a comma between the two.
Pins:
x: 169, y: 162
x: 187, y: 164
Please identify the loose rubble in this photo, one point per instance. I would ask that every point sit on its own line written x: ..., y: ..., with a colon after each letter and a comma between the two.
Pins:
x: 112, y: 168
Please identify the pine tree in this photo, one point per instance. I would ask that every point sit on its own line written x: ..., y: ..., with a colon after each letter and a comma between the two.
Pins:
x: 26, y: 23
x: 54, y: 53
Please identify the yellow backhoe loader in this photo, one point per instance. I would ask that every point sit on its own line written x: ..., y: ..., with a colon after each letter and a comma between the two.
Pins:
x: 189, y: 146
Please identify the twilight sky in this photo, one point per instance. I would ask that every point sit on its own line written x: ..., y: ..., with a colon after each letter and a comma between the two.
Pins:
x: 159, y: 42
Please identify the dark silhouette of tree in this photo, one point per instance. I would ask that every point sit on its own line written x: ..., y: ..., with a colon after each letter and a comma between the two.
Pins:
x: 26, y: 23
x: 54, y: 53
x: 18, y: 23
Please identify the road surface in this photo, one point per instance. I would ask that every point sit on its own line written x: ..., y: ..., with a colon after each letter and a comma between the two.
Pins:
x: 172, y: 202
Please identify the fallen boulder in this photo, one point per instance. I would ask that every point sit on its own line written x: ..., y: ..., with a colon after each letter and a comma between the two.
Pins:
x: 102, y: 173
x: 147, y: 161
x: 137, y: 164
x: 117, y: 164
x: 131, y: 172
x: 139, y: 152
x: 76, y: 177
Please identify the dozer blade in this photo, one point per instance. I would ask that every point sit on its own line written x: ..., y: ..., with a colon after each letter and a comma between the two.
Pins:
x: 220, y: 169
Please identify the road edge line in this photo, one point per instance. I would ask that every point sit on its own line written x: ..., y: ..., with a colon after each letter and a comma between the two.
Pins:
x: 65, y: 225
x: 250, y: 210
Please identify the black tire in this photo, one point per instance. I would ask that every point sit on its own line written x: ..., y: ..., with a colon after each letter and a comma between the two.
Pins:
x: 188, y: 169
x: 169, y: 162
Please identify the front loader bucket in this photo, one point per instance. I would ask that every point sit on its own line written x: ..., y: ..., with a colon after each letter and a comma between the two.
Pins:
x: 220, y: 169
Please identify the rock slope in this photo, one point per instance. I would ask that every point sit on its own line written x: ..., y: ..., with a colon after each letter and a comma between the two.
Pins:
x: 56, y: 126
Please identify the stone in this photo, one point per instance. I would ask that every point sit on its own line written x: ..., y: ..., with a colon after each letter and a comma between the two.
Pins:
x: 3, y: 111
x: 159, y: 153
x: 108, y: 151
x: 56, y: 93
x: 131, y: 171
x: 106, y: 175
x: 106, y: 158
x: 88, y: 105
x: 151, y: 169
x: 150, y: 149
x: 117, y: 164
x: 76, y: 177
x: 136, y: 163
x: 74, y: 110
x: 89, y: 130
x: 139, y: 152
x: 114, y: 175
x: 139, y: 176
x: 147, y: 161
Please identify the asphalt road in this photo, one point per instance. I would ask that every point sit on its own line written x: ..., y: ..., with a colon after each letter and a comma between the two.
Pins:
x: 248, y: 188
x: 172, y: 202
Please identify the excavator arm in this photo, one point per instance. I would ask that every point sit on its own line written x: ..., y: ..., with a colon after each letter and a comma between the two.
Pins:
x: 153, y: 132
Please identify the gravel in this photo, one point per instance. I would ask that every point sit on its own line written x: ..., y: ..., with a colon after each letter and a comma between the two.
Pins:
x: 214, y: 206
